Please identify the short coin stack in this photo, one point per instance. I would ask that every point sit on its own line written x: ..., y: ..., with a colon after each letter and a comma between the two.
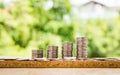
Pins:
x: 81, y: 46
x: 67, y: 48
x: 37, y: 54
x: 52, y: 52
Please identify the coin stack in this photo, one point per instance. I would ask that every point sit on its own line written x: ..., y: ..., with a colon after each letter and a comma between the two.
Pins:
x: 81, y: 46
x: 37, y: 54
x: 67, y: 48
x: 52, y: 52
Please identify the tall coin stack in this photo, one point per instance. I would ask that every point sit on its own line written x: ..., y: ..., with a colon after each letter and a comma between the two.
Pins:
x: 81, y: 46
x: 52, y: 52
x: 37, y: 54
x: 67, y: 48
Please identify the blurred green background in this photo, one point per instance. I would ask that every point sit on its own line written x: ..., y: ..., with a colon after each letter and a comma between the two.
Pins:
x: 29, y: 24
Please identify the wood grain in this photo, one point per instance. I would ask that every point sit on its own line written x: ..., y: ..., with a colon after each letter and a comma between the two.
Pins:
x: 59, y: 64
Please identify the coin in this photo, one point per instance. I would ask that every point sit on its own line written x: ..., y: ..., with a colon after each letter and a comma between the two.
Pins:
x: 37, y: 54
x: 67, y: 48
x: 52, y: 52
x: 81, y: 46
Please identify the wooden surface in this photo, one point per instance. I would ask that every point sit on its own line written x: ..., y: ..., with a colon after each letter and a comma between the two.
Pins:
x: 59, y: 64
x: 59, y: 71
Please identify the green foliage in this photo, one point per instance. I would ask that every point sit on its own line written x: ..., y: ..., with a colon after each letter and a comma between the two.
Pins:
x: 1, y: 5
x: 30, y: 25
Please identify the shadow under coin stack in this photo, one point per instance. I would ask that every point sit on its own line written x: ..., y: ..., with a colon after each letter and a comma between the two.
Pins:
x: 52, y: 52
x: 81, y: 46
x: 67, y: 48
x: 37, y: 54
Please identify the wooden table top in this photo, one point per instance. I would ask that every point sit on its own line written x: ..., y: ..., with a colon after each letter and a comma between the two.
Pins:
x: 60, y: 64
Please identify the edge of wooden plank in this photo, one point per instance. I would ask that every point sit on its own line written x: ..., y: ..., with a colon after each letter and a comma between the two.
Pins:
x: 59, y: 64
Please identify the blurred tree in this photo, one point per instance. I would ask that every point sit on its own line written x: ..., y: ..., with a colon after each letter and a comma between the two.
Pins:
x: 30, y: 24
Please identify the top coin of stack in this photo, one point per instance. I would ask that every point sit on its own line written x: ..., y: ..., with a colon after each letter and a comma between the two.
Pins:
x: 81, y: 46
x: 52, y: 52
x: 37, y: 54
x: 67, y: 48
